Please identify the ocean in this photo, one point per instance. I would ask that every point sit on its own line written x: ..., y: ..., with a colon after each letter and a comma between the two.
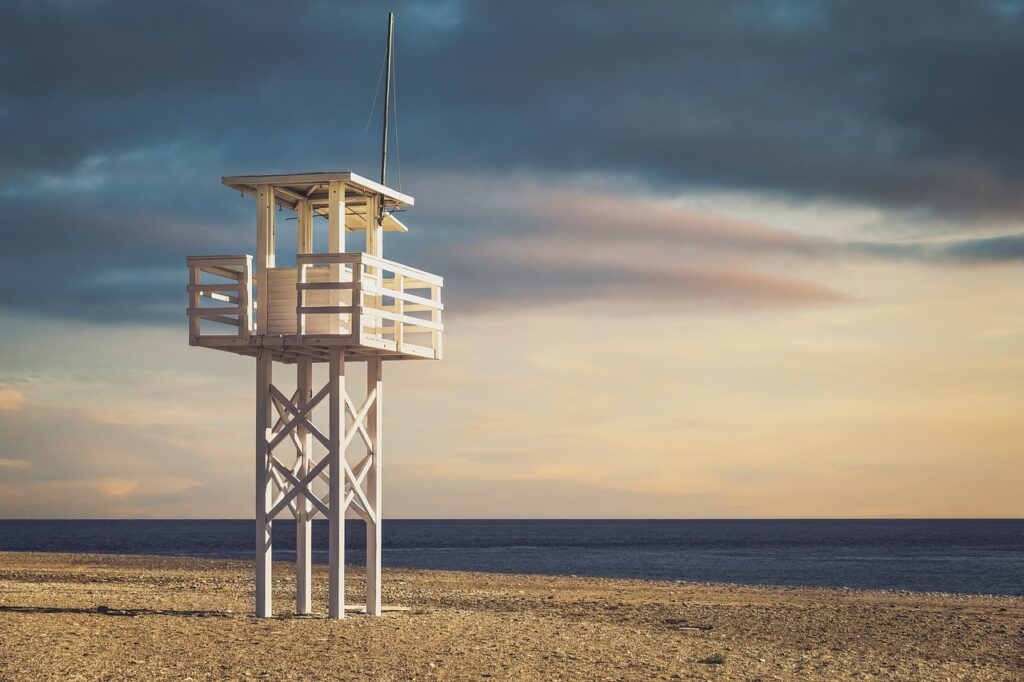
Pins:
x: 966, y: 556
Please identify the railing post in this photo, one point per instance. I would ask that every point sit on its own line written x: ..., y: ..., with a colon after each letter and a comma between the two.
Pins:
x: 335, y: 244
x: 245, y: 299
x: 265, y: 257
x: 193, y: 305
x: 300, y: 323
x: 399, y: 310
x: 435, y: 317
x: 374, y: 302
x: 357, y: 301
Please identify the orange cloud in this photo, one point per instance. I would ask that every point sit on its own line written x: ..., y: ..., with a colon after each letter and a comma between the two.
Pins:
x: 11, y: 399
x: 117, y: 487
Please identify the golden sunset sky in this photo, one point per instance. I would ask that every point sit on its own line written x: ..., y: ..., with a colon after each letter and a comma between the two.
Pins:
x: 737, y: 264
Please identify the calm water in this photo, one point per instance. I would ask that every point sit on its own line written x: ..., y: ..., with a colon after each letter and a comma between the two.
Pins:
x: 983, y: 556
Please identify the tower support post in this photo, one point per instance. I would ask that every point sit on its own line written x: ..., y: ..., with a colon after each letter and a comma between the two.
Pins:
x: 336, y: 494
x: 374, y: 386
x: 303, y: 520
x: 264, y: 370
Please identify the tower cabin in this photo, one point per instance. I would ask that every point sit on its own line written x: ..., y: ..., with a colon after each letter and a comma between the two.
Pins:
x: 336, y: 307
x: 357, y: 300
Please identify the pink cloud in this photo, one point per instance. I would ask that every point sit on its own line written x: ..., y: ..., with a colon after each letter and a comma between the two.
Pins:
x: 578, y: 246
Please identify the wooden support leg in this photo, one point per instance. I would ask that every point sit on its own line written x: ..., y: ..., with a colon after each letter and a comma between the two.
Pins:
x: 336, y: 499
x: 303, y: 524
x: 264, y: 368
x: 374, y: 382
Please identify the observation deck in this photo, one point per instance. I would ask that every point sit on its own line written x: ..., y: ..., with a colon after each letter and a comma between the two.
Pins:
x: 358, y: 300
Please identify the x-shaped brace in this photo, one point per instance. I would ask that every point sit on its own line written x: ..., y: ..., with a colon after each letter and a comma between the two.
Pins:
x: 282, y: 473
x: 300, y: 417
x: 298, y: 485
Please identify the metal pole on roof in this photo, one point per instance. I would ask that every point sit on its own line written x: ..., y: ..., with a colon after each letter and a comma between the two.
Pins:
x: 387, y: 102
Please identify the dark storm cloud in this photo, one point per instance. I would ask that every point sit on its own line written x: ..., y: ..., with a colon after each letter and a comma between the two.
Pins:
x: 980, y: 251
x: 898, y: 103
x: 117, y: 118
x: 990, y: 250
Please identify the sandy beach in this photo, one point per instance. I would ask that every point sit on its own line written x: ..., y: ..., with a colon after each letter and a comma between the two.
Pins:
x: 68, y: 616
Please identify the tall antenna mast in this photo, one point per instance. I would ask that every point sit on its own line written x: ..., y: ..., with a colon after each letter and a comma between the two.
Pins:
x: 387, y: 103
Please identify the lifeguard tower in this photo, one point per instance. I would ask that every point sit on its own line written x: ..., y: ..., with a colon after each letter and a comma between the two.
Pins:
x: 337, y: 307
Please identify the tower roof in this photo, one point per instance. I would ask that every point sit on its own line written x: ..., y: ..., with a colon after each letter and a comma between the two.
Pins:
x: 291, y: 188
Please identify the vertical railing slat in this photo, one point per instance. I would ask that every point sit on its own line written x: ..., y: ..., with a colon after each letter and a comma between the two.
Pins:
x: 300, y: 301
x: 399, y: 310
x: 193, y: 304
x: 356, y: 318
x: 245, y: 299
x: 435, y: 317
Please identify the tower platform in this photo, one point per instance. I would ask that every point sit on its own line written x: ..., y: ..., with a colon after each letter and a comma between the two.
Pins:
x: 356, y: 300
x: 369, y: 306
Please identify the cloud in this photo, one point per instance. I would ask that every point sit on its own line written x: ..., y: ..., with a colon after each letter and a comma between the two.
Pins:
x: 969, y: 251
x: 88, y: 467
x: 117, y: 487
x: 11, y: 399
x: 986, y: 250
x: 570, y: 412
x: 563, y: 245
x: 910, y: 105
x: 631, y: 290
x: 121, y: 117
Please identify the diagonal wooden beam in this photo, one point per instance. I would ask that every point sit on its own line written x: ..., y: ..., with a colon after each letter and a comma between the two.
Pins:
x: 300, y: 417
x: 325, y: 501
x: 358, y: 420
x: 358, y: 490
x: 361, y: 469
x: 282, y: 486
x: 290, y: 426
x: 280, y: 496
x: 363, y: 514
x: 290, y: 406
x: 313, y: 402
x: 281, y: 418
x: 302, y: 485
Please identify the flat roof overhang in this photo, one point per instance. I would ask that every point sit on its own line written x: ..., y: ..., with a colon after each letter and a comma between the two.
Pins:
x: 291, y: 188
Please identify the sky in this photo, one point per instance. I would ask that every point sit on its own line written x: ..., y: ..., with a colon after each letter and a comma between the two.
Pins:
x: 701, y: 259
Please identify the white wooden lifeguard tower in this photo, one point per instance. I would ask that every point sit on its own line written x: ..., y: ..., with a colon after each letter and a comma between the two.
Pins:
x: 336, y: 307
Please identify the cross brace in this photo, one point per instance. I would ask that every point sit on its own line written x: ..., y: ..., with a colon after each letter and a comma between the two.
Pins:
x: 356, y: 487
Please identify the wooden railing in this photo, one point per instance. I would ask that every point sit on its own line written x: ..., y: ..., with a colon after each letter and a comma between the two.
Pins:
x: 376, y: 302
x: 228, y: 280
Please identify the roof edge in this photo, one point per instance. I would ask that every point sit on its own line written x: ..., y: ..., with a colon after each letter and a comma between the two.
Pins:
x: 247, y: 183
